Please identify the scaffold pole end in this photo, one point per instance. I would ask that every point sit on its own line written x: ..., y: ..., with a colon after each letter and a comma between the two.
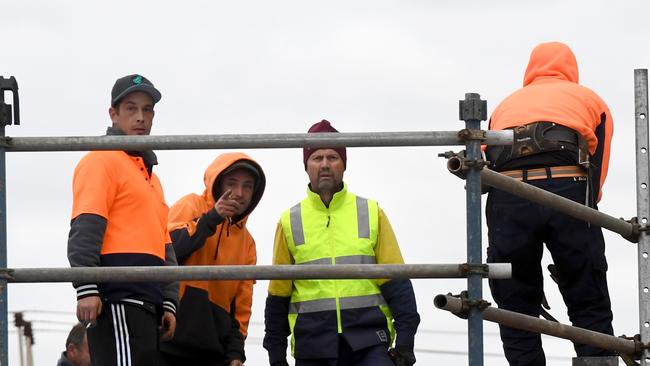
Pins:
x: 466, y: 304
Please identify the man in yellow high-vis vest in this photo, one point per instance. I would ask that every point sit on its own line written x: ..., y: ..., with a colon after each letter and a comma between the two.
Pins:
x: 338, y: 322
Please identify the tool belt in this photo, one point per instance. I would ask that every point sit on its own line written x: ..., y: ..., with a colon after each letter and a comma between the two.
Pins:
x: 567, y: 171
x: 540, y: 138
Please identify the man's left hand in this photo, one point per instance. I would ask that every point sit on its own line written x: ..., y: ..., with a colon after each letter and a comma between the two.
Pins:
x: 235, y: 363
x: 168, y: 326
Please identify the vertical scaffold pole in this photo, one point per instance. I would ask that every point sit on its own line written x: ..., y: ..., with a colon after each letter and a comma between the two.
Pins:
x: 643, y: 204
x: 6, y: 118
x: 4, y: 325
x: 4, y: 310
x: 473, y: 110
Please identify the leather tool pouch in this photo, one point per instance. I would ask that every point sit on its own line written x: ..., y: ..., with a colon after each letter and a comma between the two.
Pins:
x: 540, y: 138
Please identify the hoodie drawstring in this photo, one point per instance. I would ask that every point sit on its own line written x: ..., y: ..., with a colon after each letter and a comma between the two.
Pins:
x: 216, y: 253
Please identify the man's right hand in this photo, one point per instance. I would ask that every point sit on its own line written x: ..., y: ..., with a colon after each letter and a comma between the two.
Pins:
x: 226, y: 206
x: 88, y: 309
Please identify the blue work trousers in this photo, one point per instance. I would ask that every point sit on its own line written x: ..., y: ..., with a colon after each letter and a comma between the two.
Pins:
x: 371, y: 356
x: 517, y: 230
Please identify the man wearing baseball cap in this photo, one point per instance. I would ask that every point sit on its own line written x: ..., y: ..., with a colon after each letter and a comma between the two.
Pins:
x: 119, y: 218
x: 338, y: 322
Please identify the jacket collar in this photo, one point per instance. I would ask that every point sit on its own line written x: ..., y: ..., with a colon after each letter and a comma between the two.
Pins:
x: 337, y: 199
x: 148, y: 156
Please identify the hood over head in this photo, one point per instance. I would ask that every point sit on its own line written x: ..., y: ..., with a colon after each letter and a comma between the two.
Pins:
x: 552, y: 60
x: 226, y: 163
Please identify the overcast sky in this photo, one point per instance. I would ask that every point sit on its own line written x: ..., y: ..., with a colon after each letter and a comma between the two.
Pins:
x: 278, y: 67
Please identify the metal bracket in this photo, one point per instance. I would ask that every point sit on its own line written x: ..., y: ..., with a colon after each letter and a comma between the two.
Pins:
x: 639, y: 347
x: 467, y: 305
x: 5, y: 142
x: 458, y: 164
x: 467, y: 134
x: 472, y: 108
x: 475, y: 163
x: 6, y: 116
x: 6, y: 274
x: 636, y: 230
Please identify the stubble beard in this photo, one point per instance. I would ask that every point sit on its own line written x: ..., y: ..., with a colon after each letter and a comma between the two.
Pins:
x: 326, y: 187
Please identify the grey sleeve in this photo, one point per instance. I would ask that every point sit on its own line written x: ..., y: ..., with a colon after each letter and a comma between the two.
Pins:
x: 84, y: 248
x: 170, y: 290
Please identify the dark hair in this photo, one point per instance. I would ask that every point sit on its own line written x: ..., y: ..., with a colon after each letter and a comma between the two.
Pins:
x: 76, y: 335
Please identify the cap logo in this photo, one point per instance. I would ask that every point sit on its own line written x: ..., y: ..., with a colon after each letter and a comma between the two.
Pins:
x: 137, y: 80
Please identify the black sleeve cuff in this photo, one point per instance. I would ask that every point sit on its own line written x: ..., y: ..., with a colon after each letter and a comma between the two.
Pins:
x: 276, y: 327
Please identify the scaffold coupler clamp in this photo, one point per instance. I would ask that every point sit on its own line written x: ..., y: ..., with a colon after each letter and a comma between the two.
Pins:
x: 467, y: 305
x: 6, y: 116
x: 468, y: 269
x: 6, y: 274
x: 458, y: 164
x: 633, y: 237
x: 5, y: 141
x: 466, y: 134
x: 639, y: 347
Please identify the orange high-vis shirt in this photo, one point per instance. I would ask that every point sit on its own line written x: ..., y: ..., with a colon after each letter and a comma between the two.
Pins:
x: 117, y: 187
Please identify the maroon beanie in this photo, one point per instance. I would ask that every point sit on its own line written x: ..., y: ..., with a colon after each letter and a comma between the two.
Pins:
x: 323, y: 126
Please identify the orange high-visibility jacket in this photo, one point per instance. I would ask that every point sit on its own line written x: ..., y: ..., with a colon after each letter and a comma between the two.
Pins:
x: 551, y: 93
x: 208, y: 310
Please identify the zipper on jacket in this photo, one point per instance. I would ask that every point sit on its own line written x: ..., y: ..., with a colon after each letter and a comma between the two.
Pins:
x: 339, y: 326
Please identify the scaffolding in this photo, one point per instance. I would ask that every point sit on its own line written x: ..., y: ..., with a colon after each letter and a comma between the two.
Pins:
x: 469, y: 166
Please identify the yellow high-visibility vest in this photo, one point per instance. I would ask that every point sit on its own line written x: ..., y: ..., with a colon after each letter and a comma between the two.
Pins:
x: 343, y: 233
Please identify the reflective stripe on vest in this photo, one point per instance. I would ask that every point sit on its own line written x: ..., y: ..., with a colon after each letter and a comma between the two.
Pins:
x: 363, y: 222
x: 346, y: 303
x: 348, y: 259
x: 296, y: 225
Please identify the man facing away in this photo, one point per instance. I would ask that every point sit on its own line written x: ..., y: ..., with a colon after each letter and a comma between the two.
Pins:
x: 337, y: 322
x: 119, y: 218
x: 76, y: 348
x: 562, y: 138
x: 210, y: 229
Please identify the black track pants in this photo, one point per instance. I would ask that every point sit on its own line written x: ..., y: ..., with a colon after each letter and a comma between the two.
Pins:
x: 125, y: 335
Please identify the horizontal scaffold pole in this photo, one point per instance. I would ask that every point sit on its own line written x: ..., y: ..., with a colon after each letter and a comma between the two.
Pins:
x: 246, y: 141
x: 543, y: 326
x: 173, y: 273
x: 537, y: 195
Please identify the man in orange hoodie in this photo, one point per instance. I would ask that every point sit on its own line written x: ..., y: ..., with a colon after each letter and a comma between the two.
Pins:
x: 210, y: 229
x: 562, y: 137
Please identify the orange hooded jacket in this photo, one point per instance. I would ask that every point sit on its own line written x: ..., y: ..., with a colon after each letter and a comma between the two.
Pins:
x: 551, y: 93
x: 207, y: 309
